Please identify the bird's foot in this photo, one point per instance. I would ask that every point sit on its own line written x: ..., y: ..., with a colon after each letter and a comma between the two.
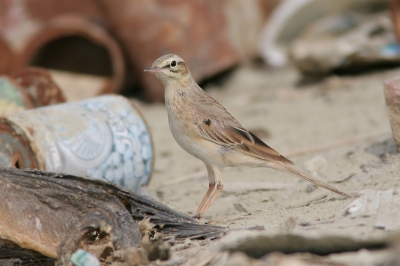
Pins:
x: 198, y: 216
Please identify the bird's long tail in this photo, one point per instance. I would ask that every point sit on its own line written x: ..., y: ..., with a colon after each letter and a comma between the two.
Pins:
x: 291, y: 170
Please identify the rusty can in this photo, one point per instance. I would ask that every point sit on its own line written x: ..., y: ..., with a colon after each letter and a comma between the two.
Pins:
x: 12, y: 97
x: 29, y: 88
x: 39, y: 86
x: 7, y: 56
x: 104, y: 137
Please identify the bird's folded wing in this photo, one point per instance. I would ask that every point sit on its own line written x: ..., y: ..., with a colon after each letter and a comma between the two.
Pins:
x: 233, y: 135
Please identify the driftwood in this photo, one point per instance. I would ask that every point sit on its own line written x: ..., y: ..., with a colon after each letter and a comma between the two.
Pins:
x: 42, y: 212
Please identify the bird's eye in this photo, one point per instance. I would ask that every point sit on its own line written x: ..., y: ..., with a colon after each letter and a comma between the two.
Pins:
x: 173, y: 63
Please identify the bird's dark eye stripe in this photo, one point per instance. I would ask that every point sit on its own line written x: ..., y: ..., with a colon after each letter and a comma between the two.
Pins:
x: 166, y: 66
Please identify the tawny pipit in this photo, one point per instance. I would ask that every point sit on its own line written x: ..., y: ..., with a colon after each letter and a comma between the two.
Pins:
x: 206, y: 130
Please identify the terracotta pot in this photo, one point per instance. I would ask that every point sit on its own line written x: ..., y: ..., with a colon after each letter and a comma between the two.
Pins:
x: 196, y: 30
x: 94, y: 51
x: 7, y: 57
x: 395, y: 11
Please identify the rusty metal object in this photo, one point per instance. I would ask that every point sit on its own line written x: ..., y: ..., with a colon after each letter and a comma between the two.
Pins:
x: 15, y: 150
x: 101, y: 137
x: 39, y: 86
x: 196, y: 30
x: 12, y: 96
x: 46, y: 34
x: 76, y: 44
x: 7, y: 57
x: 392, y: 96
x: 29, y: 88
x: 395, y: 12
x: 45, y: 10
x: 21, y: 20
x: 212, y: 36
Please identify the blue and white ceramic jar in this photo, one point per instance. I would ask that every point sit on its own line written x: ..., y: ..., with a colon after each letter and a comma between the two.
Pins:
x: 103, y: 138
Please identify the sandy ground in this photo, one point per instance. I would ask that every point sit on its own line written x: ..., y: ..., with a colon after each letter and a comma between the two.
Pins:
x: 347, y: 112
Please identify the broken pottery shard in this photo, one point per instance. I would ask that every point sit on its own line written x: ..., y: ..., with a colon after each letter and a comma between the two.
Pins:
x: 101, y: 137
x: 392, y: 96
x: 365, y: 206
x: 383, y: 206
x: 388, y: 214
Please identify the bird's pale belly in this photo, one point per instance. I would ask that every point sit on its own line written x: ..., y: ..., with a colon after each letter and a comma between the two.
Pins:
x: 202, y: 149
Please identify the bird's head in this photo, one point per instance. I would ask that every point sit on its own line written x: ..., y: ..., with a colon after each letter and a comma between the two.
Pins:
x: 170, y: 68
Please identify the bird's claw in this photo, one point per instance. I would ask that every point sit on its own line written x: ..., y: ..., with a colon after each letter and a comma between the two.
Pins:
x: 197, y: 216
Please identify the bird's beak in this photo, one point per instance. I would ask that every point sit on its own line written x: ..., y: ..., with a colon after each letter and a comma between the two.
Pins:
x: 153, y: 70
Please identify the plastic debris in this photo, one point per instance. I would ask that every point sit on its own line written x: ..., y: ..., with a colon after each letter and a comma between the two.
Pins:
x: 84, y: 258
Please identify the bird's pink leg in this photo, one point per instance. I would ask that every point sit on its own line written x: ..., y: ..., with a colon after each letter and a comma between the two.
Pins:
x: 214, y: 196
x: 214, y: 178
x: 210, y: 189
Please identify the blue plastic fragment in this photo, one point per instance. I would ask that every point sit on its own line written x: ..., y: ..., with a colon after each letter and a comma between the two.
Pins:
x: 84, y: 258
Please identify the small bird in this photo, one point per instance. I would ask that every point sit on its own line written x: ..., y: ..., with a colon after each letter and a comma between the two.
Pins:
x: 206, y: 130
